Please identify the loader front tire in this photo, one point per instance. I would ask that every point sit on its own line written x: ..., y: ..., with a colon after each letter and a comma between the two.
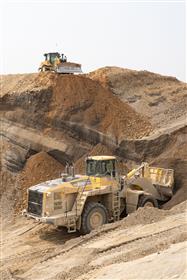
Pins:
x: 147, y: 201
x: 93, y: 216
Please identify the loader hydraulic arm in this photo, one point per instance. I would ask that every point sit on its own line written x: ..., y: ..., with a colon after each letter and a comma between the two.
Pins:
x: 133, y: 174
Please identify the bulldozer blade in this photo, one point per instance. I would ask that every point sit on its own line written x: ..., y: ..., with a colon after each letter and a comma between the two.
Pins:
x: 68, y: 69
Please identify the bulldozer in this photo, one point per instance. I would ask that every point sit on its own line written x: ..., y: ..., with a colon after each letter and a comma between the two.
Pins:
x: 103, y: 195
x: 57, y: 63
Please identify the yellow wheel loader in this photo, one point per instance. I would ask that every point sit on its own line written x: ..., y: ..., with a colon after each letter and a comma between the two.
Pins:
x: 85, y: 202
x: 57, y: 62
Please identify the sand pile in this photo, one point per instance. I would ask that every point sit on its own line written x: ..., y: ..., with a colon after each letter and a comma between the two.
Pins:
x: 163, y: 99
x: 80, y: 100
x: 69, y: 98
x: 19, y: 83
x: 39, y: 168
x: 144, y: 216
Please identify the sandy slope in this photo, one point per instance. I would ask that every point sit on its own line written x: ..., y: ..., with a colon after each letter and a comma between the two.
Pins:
x: 167, y: 264
x: 35, y: 251
x: 163, y: 99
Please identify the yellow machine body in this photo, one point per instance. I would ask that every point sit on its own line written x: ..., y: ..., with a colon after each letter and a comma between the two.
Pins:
x: 57, y: 62
x: 87, y: 201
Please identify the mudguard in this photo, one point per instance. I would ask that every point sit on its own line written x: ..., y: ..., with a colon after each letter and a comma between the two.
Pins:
x: 140, y: 186
x: 132, y: 197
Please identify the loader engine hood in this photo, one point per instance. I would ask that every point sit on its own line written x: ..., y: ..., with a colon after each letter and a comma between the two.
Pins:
x: 45, y: 186
x: 72, y: 184
x: 55, y: 184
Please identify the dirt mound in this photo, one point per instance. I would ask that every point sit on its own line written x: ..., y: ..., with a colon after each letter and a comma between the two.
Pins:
x: 39, y: 168
x: 81, y: 100
x: 69, y: 98
x: 148, y: 215
x: 144, y: 216
x: 163, y: 99
x: 19, y: 83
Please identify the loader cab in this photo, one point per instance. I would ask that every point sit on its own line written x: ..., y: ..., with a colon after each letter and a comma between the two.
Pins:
x: 101, y: 166
x: 51, y: 57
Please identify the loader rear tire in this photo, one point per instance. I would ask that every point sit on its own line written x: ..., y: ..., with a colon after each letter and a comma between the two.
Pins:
x: 147, y: 201
x: 93, y: 216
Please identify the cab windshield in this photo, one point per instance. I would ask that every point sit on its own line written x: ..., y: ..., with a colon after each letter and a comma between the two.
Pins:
x: 51, y: 57
x: 100, y: 168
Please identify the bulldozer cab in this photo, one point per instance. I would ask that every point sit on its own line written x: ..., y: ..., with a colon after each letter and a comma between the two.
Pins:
x: 101, y: 166
x: 51, y: 57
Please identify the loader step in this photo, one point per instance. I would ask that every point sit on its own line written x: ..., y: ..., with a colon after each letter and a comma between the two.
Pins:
x: 116, y: 206
x: 72, y: 225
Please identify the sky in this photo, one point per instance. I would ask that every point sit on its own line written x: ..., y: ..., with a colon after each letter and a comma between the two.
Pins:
x: 140, y: 35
